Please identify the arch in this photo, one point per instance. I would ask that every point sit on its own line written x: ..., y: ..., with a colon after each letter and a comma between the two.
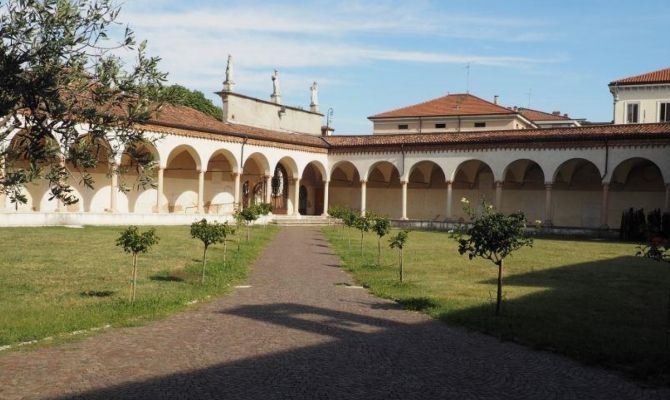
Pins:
x: 219, y: 155
x: 524, y: 189
x: 258, y: 159
x: 181, y: 179
x: 290, y: 165
x: 346, y: 168
x: 469, y: 171
x: 383, y: 172
x: 518, y: 171
x: 637, y: 173
x: 319, y: 166
x: 567, y: 169
x: 137, y: 168
x: 426, y: 191
x: 311, y: 201
x: 577, y: 199
x: 178, y: 150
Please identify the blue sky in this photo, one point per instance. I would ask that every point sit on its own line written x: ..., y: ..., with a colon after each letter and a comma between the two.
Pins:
x: 372, y: 56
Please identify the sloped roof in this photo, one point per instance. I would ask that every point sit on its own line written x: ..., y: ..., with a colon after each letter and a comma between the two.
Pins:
x: 185, y: 118
x: 594, y: 132
x: 450, y: 105
x: 536, y: 115
x: 660, y: 76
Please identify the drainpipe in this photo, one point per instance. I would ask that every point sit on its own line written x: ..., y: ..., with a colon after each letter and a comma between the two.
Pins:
x: 607, y: 158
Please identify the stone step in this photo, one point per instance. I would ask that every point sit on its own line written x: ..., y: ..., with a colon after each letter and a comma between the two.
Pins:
x: 306, y: 220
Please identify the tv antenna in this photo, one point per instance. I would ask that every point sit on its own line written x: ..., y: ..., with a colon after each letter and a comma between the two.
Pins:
x: 467, y: 77
x: 529, y: 94
x: 329, y: 117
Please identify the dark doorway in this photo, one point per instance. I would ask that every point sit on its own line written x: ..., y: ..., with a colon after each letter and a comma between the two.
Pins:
x: 302, y: 207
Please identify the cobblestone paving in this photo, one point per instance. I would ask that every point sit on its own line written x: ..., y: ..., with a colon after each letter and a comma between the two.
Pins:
x: 296, y: 334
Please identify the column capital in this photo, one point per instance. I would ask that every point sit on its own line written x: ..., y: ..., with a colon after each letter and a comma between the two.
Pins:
x: 296, y: 180
x: 235, y: 174
x: 363, y: 181
x: 202, y: 170
x: 498, y: 183
x: 326, y: 181
x: 404, y: 183
x: 548, y: 185
x: 448, y: 182
x: 606, y: 185
x: 268, y: 176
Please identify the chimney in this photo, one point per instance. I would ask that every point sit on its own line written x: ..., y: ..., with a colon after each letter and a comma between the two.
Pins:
x: 557, y: 113
x: 495, y: 99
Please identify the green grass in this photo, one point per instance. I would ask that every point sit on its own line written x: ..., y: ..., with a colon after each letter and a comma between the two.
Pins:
x: 590, y: 300
x: 59, y: 280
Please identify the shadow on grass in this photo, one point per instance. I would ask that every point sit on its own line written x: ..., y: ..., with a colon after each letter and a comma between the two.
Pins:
x: 176, y: 276
x: 613, y: 312
x: 418, y: 303
x: 97, y: 293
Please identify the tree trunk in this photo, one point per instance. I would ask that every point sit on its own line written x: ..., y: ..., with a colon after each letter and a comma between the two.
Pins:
x: 401, y: 265
x: 134, y: 284
x: 204, y: 262
x: 379, y: 250
x: 248, y: 229
x: 500, y: 282
x: 361, y: 243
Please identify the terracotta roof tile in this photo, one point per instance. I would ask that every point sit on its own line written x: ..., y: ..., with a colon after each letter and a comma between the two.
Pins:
x: 535, y: 115
x: 585, y: 133
x: 450, y: 105
x: 185, y: 118
x: 660, y: 76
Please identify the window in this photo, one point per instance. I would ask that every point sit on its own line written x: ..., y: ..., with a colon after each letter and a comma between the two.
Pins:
x: 664, y: 115
x: 480, y: 124
x: 440, y: 126
x: 632, y: 113
x: 403, y: 126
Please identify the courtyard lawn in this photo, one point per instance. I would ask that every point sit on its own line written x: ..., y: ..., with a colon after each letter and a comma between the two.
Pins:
x: 591, y: 300
x: 58, y: 280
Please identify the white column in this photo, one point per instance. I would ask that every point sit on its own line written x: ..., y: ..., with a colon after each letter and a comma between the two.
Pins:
x: 159, y: 191
x: 268, y: 189
x: 326, y: 184
x: 363, y: 196
x: 547, y: 204
x: 499, y: 187
x: 114, y: 188
x: 296, y: 196
x: 605, y: 205
x: 404, y: 200
x: 667, y: 197
x: 450, y: 194
x: 236, y: 177
x: 201, y: 191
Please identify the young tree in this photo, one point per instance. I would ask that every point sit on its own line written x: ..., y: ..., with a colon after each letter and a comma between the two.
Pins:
x: 381, y: 227
x: 492, y: 235
x: 363, y: 223
x: 349, y: 218
x: 132, y: 241
x: 227, y: 232
x: 208, y: 233
x: 398, y: 242
x: 248, y: 215
x: 60, y: 72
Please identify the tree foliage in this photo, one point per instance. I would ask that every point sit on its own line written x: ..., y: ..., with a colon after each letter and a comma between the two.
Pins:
x: 398, y: 241
x: 208, y: 234
x: 135, y: 242
x: 493, y: 236
x: 381, y: 226
x: 62, y: 75
x: 192, y: 98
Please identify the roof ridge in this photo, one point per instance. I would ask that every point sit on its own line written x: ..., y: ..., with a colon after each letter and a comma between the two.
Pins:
x: 631, y: 79
x: 458, y: 98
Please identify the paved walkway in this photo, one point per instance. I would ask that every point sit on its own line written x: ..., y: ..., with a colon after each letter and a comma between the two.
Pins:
x: 296, y: 334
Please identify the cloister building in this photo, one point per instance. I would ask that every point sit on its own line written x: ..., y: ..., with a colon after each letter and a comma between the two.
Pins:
x: 264, y: 151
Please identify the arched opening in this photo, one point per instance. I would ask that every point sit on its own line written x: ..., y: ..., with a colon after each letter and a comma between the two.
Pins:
x: 220, y: 183
x: 473, y: 180
x: 138, y: 175
x: 577, y: 194
x: 384, y: 191
x: 253, y: 183
x: 312, y: 189
x: 635, y: 183
x: 283, y: 196
x: 426, y: 192
x: 181, y: 180
x: 523, y: 189
x: 36, y: 193
x: 345, y: 186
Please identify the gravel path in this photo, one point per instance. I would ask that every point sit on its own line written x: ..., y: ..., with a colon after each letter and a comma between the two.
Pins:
x: 299, y: 332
